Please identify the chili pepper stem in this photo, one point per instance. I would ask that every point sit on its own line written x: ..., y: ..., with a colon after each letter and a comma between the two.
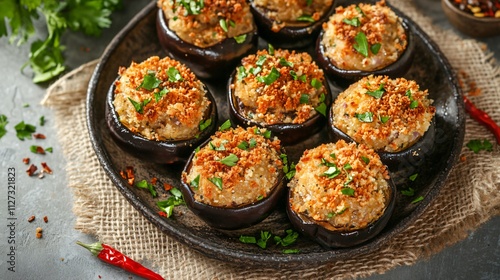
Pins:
x: 94, y: 248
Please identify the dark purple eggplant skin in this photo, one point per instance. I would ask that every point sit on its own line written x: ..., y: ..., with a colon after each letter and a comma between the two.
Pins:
x: 288, y: 133
x: 401, y: 164
x: 162, y: 152
x: 214, y: 62
x: 290, y: 37
x: 237, y: 217
x: 345, y: 77
x: 340, y: 239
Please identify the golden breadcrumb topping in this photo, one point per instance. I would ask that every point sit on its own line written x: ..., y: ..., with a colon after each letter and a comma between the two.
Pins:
x: 385, y: 114
x: 237, y: 167
x: 207, y: 22
x: 160, y: 99
x: 341, y: 185
x: 364, y: 37
x: 282, y: 87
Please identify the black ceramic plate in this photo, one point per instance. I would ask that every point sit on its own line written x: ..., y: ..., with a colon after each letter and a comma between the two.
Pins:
x: 137, y: 41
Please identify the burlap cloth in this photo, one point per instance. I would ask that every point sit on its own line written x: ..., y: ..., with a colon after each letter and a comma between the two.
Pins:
x: 468, y: 199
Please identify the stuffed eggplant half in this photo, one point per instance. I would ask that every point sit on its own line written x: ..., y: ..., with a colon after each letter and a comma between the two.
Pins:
x: 157, y: 110
x: 280, y: 90
x: 392, y: 116
x: 235, y: 179
x: 341, y: 194
x: 290, y: 23
x: 363, y: 39
x: 210, y: 36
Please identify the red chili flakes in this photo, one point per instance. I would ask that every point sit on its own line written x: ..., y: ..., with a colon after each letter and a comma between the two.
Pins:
x: 162, y: 214
x: 37, y: 150
x: 39, y: 136
x: 46, y: 168
x: 45, y: 219
x: 154, y: 180
x: 463, y: 158
x: 31, y: 219
x: 167, y: 186
x: 26, y: 160
x: 128, y: 174
x: 31, y: 170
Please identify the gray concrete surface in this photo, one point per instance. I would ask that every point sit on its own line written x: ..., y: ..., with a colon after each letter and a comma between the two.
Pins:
x: 56, y: 256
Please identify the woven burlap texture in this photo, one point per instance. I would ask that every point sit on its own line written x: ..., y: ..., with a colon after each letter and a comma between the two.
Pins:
x: 469, y: 198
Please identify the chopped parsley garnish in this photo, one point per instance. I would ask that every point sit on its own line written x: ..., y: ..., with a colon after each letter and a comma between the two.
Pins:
x: 150, y: 81
x: 361, y: 44
x: 196, y: 182
x: 378, y: 92
x: 384, y: 119
x: 413, y: 177
x: 333, y: 214
x: 49, y: 149
x: 290, y: 238
x: 306, y: 18
x: 37, y: 149
x: 241, y: 38
x: 160, y: 94
x: 321, y: 108
x: 139, y: 106
x: 255, y: 71
x: 289, y: 170
x: 347, y: 191
x: 205, y: 124
x: 230, y: 160
x: 418, y: 199
x: 270, y: 49
x: 3, y: 124
x: 270, y: 78
x: 302, y: 78
x: 192, y: 7
x: 261, y: 60
x: 217, y: 182
x: 354, y: 22
x: 315, y: 83
x: 252, y: 143
x: 477, y: 145
x: 226, y: 125
x: 42, y: 121
x: 413, y: 103
x: 365, y: 159
x: 360, y: 11
x: 409, y: 192
x: 304, y: 98
x: 24, y: 130
x: 365, y: 117
x: 223, y: 24
x: 264, y: 237
x: 243, y: 145
x: 375, y: 48
x: 242, y: 73
x: 168, y: 205
x: 266, y: 133
x: 174, y: 75
x: 331, y: 172
x: 248, y: 239
x: 148, y: 186
x: 291, y: 251
x: 284, y: 62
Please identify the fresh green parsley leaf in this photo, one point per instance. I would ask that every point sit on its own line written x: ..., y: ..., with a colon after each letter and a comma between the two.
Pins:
x: 160, y: 94
x: 347, y: 191
x: 195, y: 183
x: 174, y: 75
x: 139, y: 106
x: 3, y: 124
x: 365, y: 159
x: 315, y: 83
x: 409, y: 192
x: 270, y: 78
x: 248, y: 239
x: 242, y: 73
x: 360, y: 11
x: 365, y: 117
x: 264, y: 237
x: 168, y: 205
x: 284, y: 62
x: 418, y: 199
x: 384, y: 119
x: 49, y: 149
x: 205, y: 124
x: 414, y: 104
x: 331, y: 172
x: 378, y: 92
x: 306, y: 18
x: 150, y: 81
x: 41, y: 121
x: 230, y: 160
x: 321, y: 108
x: 354, y: 21
x: 240, y: 39
x: 255, y: 71
x: 243, y: 145
x: 477, y: 145
x: 413, y: 177
x: 223, y: 24
x: 290, y: 238
x: 261, y: 60
x: 333, y: 214
x: 291, y: 251
x: 361, y: 44
x: 37, y: 149
x: 375, y: 48
x: 252, y: 143
x: 304, y: 98
x: 146, y: 185
x: 225, y: 126
x: 266, y: 133
x: 24, y: 130
x: 217, y: 182
x: 270, y: 49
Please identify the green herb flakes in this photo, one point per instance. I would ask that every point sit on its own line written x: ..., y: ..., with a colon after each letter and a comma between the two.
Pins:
x: 289, y: 239
x: 409, y: 192
x: 361, y: 45
x: 354, y: 22
x: 384, y: 119
x: 150, y: 81
x: 168, y: 205
x: 24, y: 130
x: 270, y: 78
x: 321, y: 108
x: 477, y: 145
x: 230, y: 160
x: 315, y: 83
x: 139, y: 106
x: 304, y: 98
x: 306, y: 18
x: 365, y: 117
x: 413, y: 177
x: 146, y: 185
x: 217, y: 182
x: 159, y: 95
x: 195, y: 183
x: 375, y: 48
x: 41, y: 121
x: 378, y: 92
x: 365, y: 159
x: 174, y: 75
x: 248, y: 239
x: 205, y: 124
x: 284, y: 62
x: 347, y: 191
x: 241, y: 38
x: 418, y: 199
x: 3, y: 124
x: 225, y: 126
x: 223, y: 24
x: 270, y: 49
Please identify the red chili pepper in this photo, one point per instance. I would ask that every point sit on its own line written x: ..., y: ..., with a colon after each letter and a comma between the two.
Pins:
x: 483, y: 118
x: 112, y: 256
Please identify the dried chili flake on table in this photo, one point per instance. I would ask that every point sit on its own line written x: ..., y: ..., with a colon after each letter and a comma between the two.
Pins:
x: 37, y: 149
x: 46, y: 168
x: 32, y: 170
x: 112, y: 256
x: 128, y: 174
x: 31, y: 219
x: 39, y: 136
x: 26, y: 160
x: 45, y: 219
